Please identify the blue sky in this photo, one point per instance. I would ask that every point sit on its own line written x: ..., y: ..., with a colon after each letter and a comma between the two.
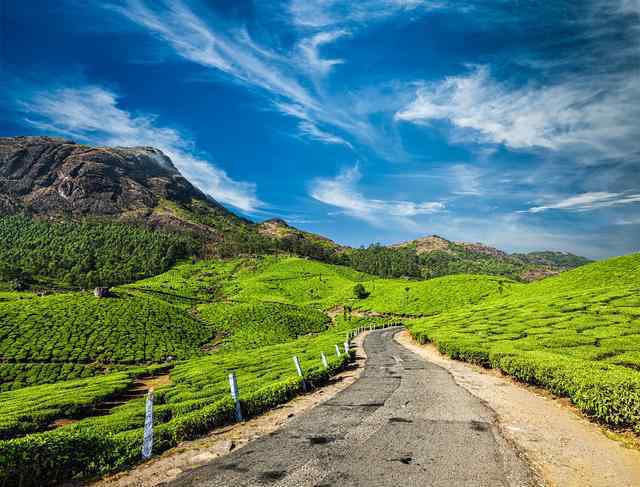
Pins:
x: 513, y: 123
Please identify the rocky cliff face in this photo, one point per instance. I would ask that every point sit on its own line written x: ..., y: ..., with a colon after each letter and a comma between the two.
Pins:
x: 427, y: 244
x: 51, y: 176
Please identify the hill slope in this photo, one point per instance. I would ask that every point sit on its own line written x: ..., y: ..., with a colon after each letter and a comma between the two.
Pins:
x: 438, y: 256
x: 577, y: 334
x: 72, y: 215
x: 55, y: 177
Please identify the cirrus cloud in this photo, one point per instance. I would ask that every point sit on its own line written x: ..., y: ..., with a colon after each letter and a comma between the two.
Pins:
x: 593, y: 119
x: 589, y: 201
x: 342, y: 192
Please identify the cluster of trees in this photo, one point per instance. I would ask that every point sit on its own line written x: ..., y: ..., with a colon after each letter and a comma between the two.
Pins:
x: 382, y: 261
x: 73, y: 254
x: 439, y: 263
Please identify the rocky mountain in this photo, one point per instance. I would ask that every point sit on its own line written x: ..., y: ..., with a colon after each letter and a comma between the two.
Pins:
x: 54, y: 177
x: 440, y: 256
x: 424, y: 245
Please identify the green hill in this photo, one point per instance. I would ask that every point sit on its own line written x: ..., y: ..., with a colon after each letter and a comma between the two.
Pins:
x: 577, y: 334
x: 436, y: 256
x: 194, y: 307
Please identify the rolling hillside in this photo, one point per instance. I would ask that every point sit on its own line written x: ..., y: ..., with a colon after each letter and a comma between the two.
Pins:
x: 577, y: 334
x: 438, y: 256
x: 182, y: 313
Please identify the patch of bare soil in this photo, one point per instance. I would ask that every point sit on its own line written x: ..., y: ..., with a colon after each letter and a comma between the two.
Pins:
x: 193, y: 454
x: 138, y: 389
x: 565, y: 447
x: 358, y: 313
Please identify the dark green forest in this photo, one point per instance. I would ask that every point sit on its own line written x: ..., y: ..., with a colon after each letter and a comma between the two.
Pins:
x: 83, y: 254
x: 70, y: 254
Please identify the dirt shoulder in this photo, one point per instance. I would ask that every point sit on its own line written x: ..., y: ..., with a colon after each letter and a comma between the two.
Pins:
x: 567, y: 449
x: 193, y: 454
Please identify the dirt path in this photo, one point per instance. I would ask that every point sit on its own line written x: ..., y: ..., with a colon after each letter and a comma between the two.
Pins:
x: 568, y: 450
x: 193, y: 454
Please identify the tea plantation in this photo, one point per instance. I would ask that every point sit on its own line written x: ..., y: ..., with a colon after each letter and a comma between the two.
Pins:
x: 72, y: 335
x: 254, y: 325
x: 194, y: 307
x: 577, y: 334
x: 195, y: 402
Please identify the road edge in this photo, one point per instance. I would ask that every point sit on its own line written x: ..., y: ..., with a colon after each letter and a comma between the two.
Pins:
x: 564, y: 448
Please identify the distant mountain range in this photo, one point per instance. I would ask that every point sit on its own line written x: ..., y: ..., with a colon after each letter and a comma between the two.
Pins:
x: 441, y: 257
x: 51, y: 181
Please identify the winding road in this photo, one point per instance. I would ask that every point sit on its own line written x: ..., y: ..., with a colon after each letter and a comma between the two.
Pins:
x: 404, y: 422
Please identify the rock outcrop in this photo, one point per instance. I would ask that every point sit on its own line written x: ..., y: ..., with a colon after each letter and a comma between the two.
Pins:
x: 47, y: 175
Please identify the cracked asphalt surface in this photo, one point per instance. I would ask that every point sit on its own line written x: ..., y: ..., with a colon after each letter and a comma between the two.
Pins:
x: 404, y: 422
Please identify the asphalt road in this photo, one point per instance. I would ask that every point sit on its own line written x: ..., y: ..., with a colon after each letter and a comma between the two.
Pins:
x: 404, y: 422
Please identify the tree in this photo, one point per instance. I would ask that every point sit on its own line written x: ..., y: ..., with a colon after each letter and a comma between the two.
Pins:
x: 359, y: 291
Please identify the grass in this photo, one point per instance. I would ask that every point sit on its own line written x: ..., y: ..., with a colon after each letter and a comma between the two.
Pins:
x: 578, y: 334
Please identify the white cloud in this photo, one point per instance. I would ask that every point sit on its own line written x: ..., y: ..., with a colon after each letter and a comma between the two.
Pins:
x: 341, y: 192
x: 91, y: 113
x: 580, y: 115
x: 589, y: 201
x: 310, y: 48
x: 628, y: 221
x: 195, y: 41
x: 312, y: 130
x: 466, y: 180
x: 323, y: 13
x: 235, y: 54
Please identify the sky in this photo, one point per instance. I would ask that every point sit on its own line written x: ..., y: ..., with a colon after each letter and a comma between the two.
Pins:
x: 515, y: 123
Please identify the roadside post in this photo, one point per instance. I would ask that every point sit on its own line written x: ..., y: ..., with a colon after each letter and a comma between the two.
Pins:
x: 346, y: 348
x: 233, y: 384
x: 147, y: 438
x: 296, y: 361
x: 324, y: 360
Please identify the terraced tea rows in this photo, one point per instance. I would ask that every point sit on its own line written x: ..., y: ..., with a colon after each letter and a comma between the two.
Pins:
x: 196, y: 401
x: 77, y: 328
x: 569, y: 333
x: 254, y: 325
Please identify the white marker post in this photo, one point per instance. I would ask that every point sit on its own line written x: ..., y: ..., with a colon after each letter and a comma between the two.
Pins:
x: 147, y: 438
x: 233, y: 384
x: 296, y: 361
x: 346, y: 348
x: 337, y: 350
x: 324, y: 360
